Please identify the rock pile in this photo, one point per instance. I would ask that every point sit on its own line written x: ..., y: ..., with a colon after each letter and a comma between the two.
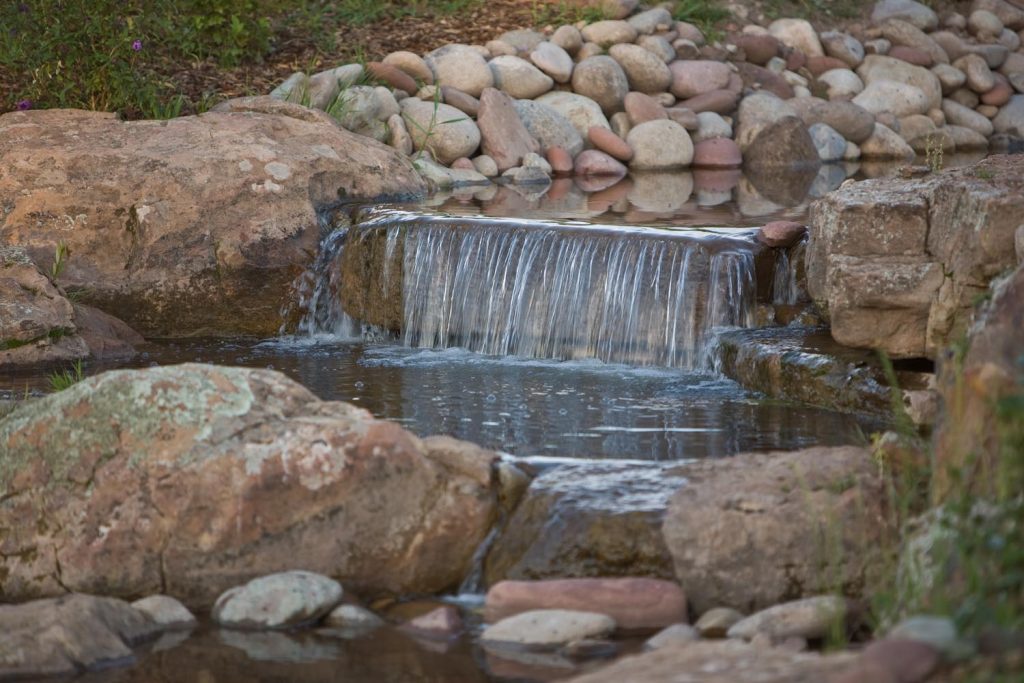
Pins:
x: 647, y: 92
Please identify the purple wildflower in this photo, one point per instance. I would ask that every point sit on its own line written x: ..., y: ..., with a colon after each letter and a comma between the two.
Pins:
x: 24, y: 105
x: 136, y: 45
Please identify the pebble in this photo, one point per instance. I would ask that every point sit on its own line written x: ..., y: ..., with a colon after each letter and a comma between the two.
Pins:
x: 716, y: 622
x: 352, y: 617
x: 711, y: 125
x: 782, y: 234
x: 461, y: 67
x: 485, y: 166
x: 645, y: 71
x: 519, y: 78
x: 547, y: 629
x: 691, y: 78
x: 602, y: 80
x: 549, y: 127
x: 684, y: 117
x: 392, y: 75
x: 641, y: 108
x: 592, y: 162
x: 440, y: 128
x: 660, y: 145
x: 798, y: 34
x: 166, y: 611
x: 830, y: 145
x: 553, y: 60
x: 609, y: 32
x: 607, y: 141
x: 809, y: 618
x: 568, y: 38
x: 560, y: 160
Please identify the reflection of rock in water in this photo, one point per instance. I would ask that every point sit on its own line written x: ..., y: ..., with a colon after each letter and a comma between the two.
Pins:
x: 786, y: 186
x: 274, y: 646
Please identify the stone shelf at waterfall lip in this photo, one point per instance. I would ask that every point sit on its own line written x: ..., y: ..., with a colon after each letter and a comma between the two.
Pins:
x: 389, y: 216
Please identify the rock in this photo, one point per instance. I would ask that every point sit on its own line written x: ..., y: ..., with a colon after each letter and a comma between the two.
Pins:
x: 798, y: 34
x: 717, y: 153
x: 936, y: 632
x: 959, y: 115
x: 950, y: 77
x: 499, y: 48
x: 609, y: 32
x: 319, y: 90
x: 854, y: 123
x: 759, y: 48
x: 716, y: 622
x: 684, y: 117
x: 921, y: 16
x: 903, y: 33
x: 443, y: 622
x: 504, y: 138
x: 1010, y: 14
x: 721, y: 662
x: 592, y: 162
x: 659, y: 47
x: 817, y: 66
x: 693, y: 78
x: 150, y: 199
x: 146, y: 520
x: 644, y: 70
x: 467, y: 104
x: 398, y: 135
x: 811, y: 618
x: 553, y: 60
x: 602, y: 80
x: 352, y: 618
x: 842, y: 84
x: 440, y: 129
x: 984, y: 24
x: 672, y: 636
x: 461, y: 67
x: 1011, y: 117
x: 523, y: 40
x: 649, y: 21
x: 485, y: 166
x: 392, y: 75
x: 756, y: 113
x: 964, y: 139
x: 711, y: 125
x: 879, y: 68
x: 610, y: 143
x: 549, y: 127
x: 519, y: 78
x: 568, y: 38
x: 843, y: 46
x: 560, y: 160
x: 744, y: 532
x: 717, y: 101
x: 412, y: 64
x: 659, y: 145
x: 885, y: 144
x: 280, y: 600
x: 589, y: 50
x: 892, y: 96
x: 582, y: 112
x: 966, y: 98
x: 546, y: 629
x: 634, y: 603
x: 66, y: 635
x: 642, y: 108
x: 864, y: 671
x: 1000, y: 93
x: 781, y: 233
x: 166, y: 612
x: 783, y: 143
x: 364, y: 109
x: 979, y: 76
x: 909, y: 660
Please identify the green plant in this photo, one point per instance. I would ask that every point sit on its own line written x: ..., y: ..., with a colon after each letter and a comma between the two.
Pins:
x: 701, y: 13
x: 430, y: 129
x: 61, y: 380
x: 60, y: 260
x: 810, y: 9
x: 933, y: 153
x: 564, y: 12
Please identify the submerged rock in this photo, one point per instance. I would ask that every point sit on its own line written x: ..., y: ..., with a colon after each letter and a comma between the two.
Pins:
x: 196, y: 224
x: 277, y: 601
x: 192, y: 479
x: 546, y: 629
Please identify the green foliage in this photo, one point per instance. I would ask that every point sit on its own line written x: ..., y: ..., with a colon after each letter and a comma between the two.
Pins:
x: 60, y: 260
x: 704, y: 14
x: 564, y: 12
x: 59, y: 381
x: 813, y: 9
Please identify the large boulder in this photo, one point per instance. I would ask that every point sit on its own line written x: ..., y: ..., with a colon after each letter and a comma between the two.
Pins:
x: 196, y: 225
x: 191, y: 479
x: 898, y: 264
x: 754, y: 530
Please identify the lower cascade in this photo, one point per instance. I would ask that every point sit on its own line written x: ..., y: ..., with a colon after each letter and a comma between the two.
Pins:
x: 638, y: 296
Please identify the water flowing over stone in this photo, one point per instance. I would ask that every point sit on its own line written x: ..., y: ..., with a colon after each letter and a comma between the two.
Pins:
x: 640, y: 296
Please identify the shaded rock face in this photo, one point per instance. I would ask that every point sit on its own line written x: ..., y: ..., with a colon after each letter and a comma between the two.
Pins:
x: 974, y: 438
x: 567, y: 525
x: 188, y: 480
x: 755, y: 530
x: 897, y: 264
x: 39, y: 325
x: 188, y: 226
x: 69, y: 634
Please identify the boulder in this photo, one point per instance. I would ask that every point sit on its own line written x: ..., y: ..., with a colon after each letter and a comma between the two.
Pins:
x: 602, y: 80
x: 645, y: 71
x: 282, y: 600
x: 659, y: 146
x: 581, y: 111
x: 440, y: 129
x: 881, y: 68
x: 784, y: 143
x: 519, y: 78
x: 191, y: 479
x: 194, y: 225
x: 461, y: 67
x: 884, y: 143
x: 812, y: 618
x: 697, y: 77
x: 854, y: 123
x: 553, y: 60
x: 751, y: 531
x: 634, y: 603
x: 67, y: 635
x: 798, y: 34
x: 549, y: 127
x: 546, y: 629
x: 504, y: 137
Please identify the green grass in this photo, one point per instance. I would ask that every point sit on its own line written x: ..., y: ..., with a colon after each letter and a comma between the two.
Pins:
x: 814, y: 9
x: 704, y: 14
x: 61, y: 380
x: 563, y: 12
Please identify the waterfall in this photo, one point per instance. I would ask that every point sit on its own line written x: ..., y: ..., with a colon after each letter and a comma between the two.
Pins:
x: 650, y: 298
x: 321, y: 312
x: 786, y: 282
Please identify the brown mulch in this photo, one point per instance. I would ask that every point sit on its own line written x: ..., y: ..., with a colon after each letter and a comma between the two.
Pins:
x: 370, y: 42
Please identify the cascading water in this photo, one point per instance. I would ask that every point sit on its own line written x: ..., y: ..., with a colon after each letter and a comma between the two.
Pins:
x: 637, y: 296
x: 321, y: 311
x: 786, y: 283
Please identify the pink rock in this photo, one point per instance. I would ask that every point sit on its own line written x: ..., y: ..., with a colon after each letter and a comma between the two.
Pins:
x: 866, y: 672
x: 716, y: 180
x: 393, y: 76
x: 463, y: 163
x: 559, y: 189
x: 908, y: 660
x: 718, y: 101
x: 911, y: 55
x: 560, y: 159
x: 464, y: 102
x: 503, y: 136
x: 642, y: 108
x: 781, y: 233
x: 634, y: 603
x: 796, y: 60
x: 443, y: 622
x: 607, y: 141
x: 593, y: 162
x: 696, y: 77
x: 820, y: 64
x: 717, y: 153
x: 1000, y: 94
x: 758, y: 48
